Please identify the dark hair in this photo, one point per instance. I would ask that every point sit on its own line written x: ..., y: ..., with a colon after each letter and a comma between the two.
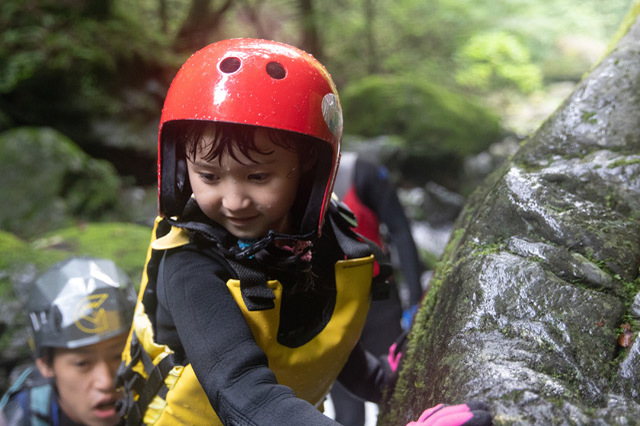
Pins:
x: 47, y: 355
x: 227, y: 136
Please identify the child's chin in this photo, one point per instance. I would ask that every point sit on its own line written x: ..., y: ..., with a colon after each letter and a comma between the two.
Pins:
x: 245, y: 235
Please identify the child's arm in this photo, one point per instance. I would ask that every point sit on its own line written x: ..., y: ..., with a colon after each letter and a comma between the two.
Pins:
x: 230, y: 366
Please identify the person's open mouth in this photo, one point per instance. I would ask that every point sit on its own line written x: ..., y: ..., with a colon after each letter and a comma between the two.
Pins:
x: 105, y: 408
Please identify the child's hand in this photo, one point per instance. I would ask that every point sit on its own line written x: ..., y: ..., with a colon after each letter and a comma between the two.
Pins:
x: 471, y: 414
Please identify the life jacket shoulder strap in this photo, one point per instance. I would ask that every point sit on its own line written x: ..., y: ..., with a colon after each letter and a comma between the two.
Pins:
x: 130, y: 409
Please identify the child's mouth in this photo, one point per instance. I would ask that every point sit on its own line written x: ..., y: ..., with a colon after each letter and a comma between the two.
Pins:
x: 241, y: 221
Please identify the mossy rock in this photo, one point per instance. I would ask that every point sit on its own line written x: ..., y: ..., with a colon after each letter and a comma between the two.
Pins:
x: 433, y: 121
x: 49, y: 182
x: 124, y: 243
x: 528, y: 306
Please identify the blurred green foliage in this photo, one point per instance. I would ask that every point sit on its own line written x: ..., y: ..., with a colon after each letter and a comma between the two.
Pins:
x: 430, y: 119
x: 497, y: 60
x: 425, y: 37
x: 87, y: 68
x: 68, y: 65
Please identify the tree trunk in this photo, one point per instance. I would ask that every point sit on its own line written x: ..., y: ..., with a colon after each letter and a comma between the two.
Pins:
x: 199, y: 26
x: 535, y: 307
x: 310, y: 39
x: 372, y: 56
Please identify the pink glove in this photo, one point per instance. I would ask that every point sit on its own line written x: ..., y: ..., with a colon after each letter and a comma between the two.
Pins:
x: 395, y: 351
x: 472, y: 414
x: 393, y: 358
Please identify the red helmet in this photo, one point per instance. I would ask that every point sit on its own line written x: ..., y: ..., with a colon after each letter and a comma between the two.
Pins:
x: 251, y: 82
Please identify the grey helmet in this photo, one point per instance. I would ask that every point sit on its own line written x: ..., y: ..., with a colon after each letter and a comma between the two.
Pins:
x: 78, y: 302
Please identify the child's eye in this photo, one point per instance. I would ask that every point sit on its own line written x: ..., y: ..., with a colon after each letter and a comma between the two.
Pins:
x: 208, y: 177
x: 259, y: 177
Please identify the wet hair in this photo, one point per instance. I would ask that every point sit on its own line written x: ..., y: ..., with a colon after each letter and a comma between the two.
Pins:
x: 227, y: 136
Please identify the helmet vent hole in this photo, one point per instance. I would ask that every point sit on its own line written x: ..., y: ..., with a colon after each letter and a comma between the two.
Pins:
x: 229, y: 65
x: 276, y: 71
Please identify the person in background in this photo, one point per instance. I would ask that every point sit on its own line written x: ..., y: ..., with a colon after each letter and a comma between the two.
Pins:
x: 256, y: 288
x: 80, y: 312
x: 365, y: 188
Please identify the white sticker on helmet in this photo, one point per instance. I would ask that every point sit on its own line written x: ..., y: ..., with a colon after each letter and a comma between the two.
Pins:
x: 332, y: 113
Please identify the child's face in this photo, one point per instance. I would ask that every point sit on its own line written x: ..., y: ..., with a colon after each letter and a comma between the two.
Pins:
x: 85, y: 378
x: 247, y: 197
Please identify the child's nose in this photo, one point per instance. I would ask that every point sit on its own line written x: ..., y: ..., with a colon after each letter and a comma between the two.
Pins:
x: 235, y: 200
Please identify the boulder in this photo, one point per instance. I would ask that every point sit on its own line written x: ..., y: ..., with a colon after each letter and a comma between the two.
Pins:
x: 48, y: 182
x: 534, y: 307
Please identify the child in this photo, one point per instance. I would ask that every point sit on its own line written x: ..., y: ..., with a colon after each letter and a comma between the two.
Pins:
x: 79, y: 313
x: 256, y: 290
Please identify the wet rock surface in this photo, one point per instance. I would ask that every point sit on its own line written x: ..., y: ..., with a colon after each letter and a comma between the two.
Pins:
x: 540, y: 277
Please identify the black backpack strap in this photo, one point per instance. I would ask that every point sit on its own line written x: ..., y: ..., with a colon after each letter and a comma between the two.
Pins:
x: 253, y: 286
x: 253, y: 283
x: 355, y: 245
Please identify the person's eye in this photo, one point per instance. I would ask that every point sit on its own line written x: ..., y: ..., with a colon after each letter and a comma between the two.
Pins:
x: 259, y: 177
x: 81, y: 363
x: 208, y: 177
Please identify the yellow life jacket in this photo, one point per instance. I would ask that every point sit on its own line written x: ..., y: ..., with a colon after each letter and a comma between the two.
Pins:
x: 159, y: 391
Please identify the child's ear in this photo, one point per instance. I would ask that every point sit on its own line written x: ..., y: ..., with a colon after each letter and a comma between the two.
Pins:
x: 45, y: 369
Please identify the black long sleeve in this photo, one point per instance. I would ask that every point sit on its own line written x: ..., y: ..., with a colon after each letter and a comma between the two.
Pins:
x: 232, y: 369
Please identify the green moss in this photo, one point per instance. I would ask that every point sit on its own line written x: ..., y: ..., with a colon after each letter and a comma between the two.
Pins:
x: 588, y: 117
x: 622, y: 162
x: 13, y: 249
x: 430, y: 119
x: 429, y: 260
x: 126, y: 244
x: 624, y: 27
x: 488, y: 248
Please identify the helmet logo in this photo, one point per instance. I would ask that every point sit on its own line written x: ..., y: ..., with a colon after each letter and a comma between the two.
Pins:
x: 90, y: 314
x: 332, y: 113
